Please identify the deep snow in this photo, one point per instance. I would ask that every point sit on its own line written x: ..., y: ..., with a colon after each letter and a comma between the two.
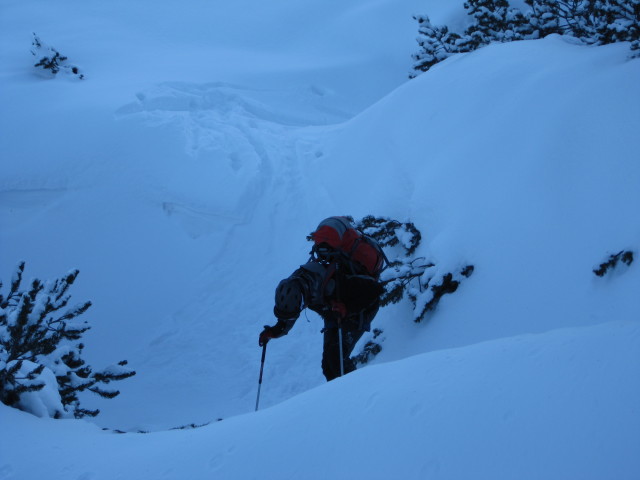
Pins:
x: 523, y: 407
x: 182, y: 176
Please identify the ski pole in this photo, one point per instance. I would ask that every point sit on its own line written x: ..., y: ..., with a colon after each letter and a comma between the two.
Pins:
x: 340, y: 344
x: 264, y: 353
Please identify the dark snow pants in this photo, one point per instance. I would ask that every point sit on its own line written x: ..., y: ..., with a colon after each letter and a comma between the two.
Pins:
x: 331, y: 351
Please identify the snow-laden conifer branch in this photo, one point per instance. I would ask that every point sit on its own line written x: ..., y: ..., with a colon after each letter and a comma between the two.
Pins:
x: 409, y: 276
x: 39, y: 334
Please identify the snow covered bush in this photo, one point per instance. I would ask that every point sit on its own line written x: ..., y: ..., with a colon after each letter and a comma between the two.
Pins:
x: 370, y: 349
x: 41, y: 369
x: 624, y: 256
x: 436, y: 44
x: 593, y: 22
x: 50, y: 60
x: 596, y: 22
x: 421, y: 281
x: 408, y: 276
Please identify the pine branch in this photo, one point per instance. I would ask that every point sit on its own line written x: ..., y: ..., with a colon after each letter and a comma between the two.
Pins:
x: 75, y: 312
x: 624, y: 256
x: 105, y: 393
x: 11, y: 299
x: 32, y: 329
x: 26, y: 388
x: 83, y: 412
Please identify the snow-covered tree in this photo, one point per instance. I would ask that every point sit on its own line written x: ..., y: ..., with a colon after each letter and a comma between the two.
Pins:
x: 619, y: 21
x: 40, y: 341
x: 595, y: 22
x: 573, y: 17
x: 494, y: 21
x: 436, y: 44
x: 543, y: 19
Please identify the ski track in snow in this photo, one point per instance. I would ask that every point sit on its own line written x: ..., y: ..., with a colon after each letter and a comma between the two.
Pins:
x: 15, y: 202
x: 251, y: 137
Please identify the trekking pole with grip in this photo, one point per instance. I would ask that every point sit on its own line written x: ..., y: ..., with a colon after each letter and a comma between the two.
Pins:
x: 264, y: 353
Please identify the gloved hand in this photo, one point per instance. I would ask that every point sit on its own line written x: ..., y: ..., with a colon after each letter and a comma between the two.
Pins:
x: 268, y: 333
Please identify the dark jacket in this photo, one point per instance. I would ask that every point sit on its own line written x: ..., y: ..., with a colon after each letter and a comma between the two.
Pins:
x: 337, y: 295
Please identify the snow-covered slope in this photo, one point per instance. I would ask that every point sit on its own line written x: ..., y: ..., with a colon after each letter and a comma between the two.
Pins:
x: 520, y: 159
x: 524, y: 407
x: 182, y: 176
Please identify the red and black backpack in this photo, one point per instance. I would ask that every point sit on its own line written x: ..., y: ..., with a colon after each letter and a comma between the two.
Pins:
x: 336, y: 237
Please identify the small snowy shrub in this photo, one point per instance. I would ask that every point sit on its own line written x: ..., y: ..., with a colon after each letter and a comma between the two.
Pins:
x: 407, y: 276
x: 370, y: 349
x: 436, y: 44
x: 50, y: 60
x: 41, y: 369
x: 593, y: 22
x: 624, y: 256
x: 414, y: 277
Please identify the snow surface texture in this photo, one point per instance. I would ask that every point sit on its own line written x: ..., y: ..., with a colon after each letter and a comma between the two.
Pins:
x: 182, y: 175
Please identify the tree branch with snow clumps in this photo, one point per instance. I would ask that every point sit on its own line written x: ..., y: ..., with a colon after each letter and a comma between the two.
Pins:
x: 408, y: 275
x: 624, y: 256
x: 41, y: 365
